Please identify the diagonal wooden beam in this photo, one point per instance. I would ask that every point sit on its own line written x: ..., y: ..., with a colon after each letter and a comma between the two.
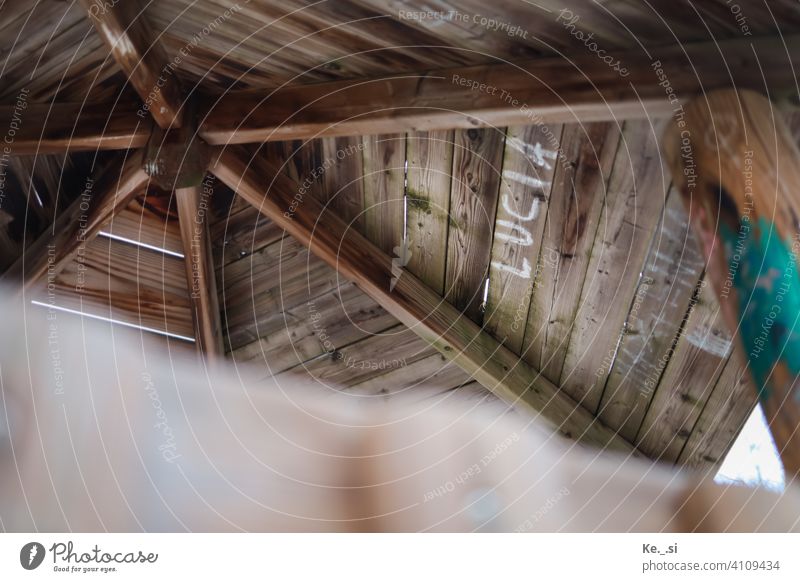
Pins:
x: 535, y: 91
x: 34, y: 128
x: 102, y: 197
x: 407, y: 298
x: 123, y: 26
x: 193, y: 220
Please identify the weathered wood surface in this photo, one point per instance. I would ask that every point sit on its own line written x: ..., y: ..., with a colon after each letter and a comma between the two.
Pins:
x: 144, y: 223
x: 99, y: 201
x: 119, y: 281
x: 739, y: 171
x: 687, y: 380
x: 414, y: 304
x: 137, y: 49
x: 548, y: 90
x: 671, y: 272
x: 384, y: 158
x: 574, y: 209
x: 61, y: 127
x: 477, y: 167
x: 529, y: 162
x: 430, y: 165
x: 316, y: 327
x: 636, y: 193
x: 193, y: 219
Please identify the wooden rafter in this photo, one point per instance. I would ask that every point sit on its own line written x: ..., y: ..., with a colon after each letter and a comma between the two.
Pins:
x: 406, y: 297
x: 193, y: 221
x: 141, y: 57
x: 537, y: 91
x: 551, y: 89
x: 99, y: 202
x: 60, y: 127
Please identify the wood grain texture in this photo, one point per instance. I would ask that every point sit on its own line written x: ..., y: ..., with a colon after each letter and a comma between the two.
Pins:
x: 384, y: 158
x: 738, y: 168
x: 193, y: 218
x: 529, y: 163
x: 61, y: 127
x: 636, y: 194
x: 102, y: 198
x: 138, y: 52
x: 319, y: 326
x: 549, y: 90
x: 145, y: 223
x: 698, y: 357
x: 125, y: 283
x: 573, y: 214
x: 477, y: 166
x: 671, y: 273
x: 430, y: 164
x: 722, y: 419
x: 410, y: 301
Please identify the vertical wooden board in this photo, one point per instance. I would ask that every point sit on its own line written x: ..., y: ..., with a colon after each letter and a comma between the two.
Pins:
x: 477, y: 160
x: 341, y: 176
x: 430, y: 163
x: 576, y: 199
x: 530, y: 158
x: 670, y: 275
x: 726, y: 412
x: 384, y: 188
x: 637, y: 191
x: 701, y: 350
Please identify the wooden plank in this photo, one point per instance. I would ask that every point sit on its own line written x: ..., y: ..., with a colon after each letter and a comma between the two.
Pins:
x: 142, y: 222
x: 696, y: 361
x: 477, y: 165
x: 384, y: 189
x: 102, y: 198
x: 636, y: 194
x: 241, y: 234
x: 671, y: 273
x: 129, y: 284
x: 739, y: 170
x: 125, y: 30
x: 547, y: 90
x: 430, y: 163
x: 340, y: 176
x: 430, y: 376
x: 722, y: 419
x: 418, y: 307
x: 364, y: 361
x: 279, y: 277
x: 193, y: 210
x: 61, y: 127
x: 529, y: 163
x: 312, y: 328
x: 573, y: 214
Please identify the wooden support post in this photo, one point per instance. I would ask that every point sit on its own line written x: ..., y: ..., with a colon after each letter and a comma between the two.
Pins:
x: 193, y: 219
x: 101, y: 198
x: 454, y: 335
x: 739, y: 171
x: 141, y: 57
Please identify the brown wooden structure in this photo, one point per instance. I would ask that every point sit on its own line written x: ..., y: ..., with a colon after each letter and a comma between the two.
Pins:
x: 401, y: 194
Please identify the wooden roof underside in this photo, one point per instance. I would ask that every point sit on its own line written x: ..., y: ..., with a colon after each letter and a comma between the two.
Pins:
x: 593, y: 276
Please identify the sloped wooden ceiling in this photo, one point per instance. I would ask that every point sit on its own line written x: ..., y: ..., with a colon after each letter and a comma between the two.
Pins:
x: 593, y: 275
x: 565, y: 242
